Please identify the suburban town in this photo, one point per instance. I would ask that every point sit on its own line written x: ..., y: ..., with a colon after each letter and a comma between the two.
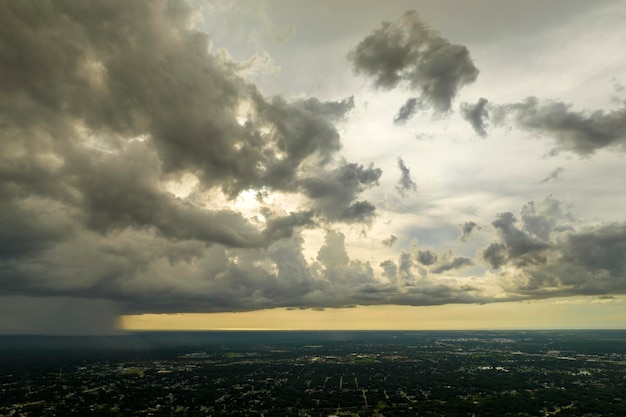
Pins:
x: 321, y: 374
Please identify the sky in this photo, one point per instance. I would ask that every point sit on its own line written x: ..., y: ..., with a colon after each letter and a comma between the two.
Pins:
x: 279, y: 164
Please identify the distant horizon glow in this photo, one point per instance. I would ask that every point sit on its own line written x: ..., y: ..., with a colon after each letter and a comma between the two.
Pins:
x: 583, y: 313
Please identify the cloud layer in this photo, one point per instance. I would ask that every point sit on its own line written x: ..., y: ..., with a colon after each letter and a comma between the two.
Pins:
x: 141, y: 170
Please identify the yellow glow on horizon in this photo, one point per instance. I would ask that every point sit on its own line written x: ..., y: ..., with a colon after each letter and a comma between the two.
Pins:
x: 561, y: 313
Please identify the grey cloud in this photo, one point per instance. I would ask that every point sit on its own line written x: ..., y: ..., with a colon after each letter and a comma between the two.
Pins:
x: 554, y: 175
x: 466, y: 230
x: 408, y: 51
x: 135, y: 269
x: 405, y: 183
x: 407, y: 110
x: 122, y: 190
x: 546, y: 216
x: 580, y: 132
x: 335, y: 192
x: 590, y: 262
x: 405, y: 267
x: 390, y: 241
x: 339, y: 269
x: 124, y: 76
x: 334, y: 110
x: 527, y: 242
x: 520, y: 246
x: 283, y: 226
x: 476, y: 115
x: 455, y: 263
x: 28, y: 227
x: 389, y: 269
x: 495, y: 255
x: 598, y: 251
x: 426, y: 257
x: 361, y: 212
x: 543, y: 255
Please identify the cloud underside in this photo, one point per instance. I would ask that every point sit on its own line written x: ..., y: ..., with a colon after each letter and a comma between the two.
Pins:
x: 117, y: 106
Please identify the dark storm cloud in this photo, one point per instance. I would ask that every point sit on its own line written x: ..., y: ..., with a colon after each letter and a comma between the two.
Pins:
x: 409, y: 52
x: 407, y: 110
x: 580, y: 132
x: 554, y: 175
x: 405, y: 183
x: 476, y: 115
x: 466, y: 230
x: 102, y: 107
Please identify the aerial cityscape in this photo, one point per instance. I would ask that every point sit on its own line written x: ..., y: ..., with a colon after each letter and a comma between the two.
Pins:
x: 471, y: 373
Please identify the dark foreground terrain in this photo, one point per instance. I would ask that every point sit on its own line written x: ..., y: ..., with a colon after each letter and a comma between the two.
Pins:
x: 506, y: 373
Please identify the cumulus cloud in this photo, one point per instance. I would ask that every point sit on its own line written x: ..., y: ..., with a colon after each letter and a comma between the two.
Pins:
x: 405, y: 183
x: 542, y: 254
x: 575, y: 131
x: 525, y: 241
x: 408, y: 52
x: 588, y: 262
x: 477, y: 115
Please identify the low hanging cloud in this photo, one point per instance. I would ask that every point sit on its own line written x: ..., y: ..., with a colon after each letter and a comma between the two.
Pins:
x: 477, y: 115
x: 408, y: 52
x: 405, y: 183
